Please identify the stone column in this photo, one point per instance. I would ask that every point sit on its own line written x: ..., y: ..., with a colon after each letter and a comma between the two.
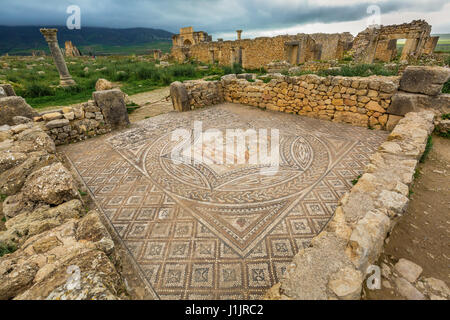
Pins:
x: 64, y: 75
x: 239, y: 33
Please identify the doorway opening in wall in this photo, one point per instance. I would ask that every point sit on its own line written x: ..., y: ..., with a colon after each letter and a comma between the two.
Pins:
x: 400, y: 46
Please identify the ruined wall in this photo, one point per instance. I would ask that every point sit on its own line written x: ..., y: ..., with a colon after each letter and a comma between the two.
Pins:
x: 358, y: 101
x: 380, y: 42
x: 257, y: 53
x: 95, y: 117
x: 71, y: 124
x: 71, y: 50
x: 376, y: 102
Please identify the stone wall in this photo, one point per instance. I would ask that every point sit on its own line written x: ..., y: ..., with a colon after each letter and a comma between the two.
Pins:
x: 257, y: 53
x: 375, y: 102
x: 358, y: 101
x: 71, y: 124
x: 48, y: 233
x: 336, y: 263
x: 380, y: 43
x: 107, y: 111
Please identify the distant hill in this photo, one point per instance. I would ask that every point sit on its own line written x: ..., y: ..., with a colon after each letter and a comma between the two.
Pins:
x: 21, y: 40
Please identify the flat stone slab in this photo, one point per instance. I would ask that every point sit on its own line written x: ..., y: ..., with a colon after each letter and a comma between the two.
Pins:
x: 220, y: 231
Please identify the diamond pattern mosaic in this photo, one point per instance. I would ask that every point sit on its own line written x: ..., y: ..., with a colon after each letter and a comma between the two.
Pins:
x: 200, y: 231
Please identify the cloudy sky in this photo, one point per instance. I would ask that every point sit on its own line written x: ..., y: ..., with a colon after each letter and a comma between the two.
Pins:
x: 221, y: 17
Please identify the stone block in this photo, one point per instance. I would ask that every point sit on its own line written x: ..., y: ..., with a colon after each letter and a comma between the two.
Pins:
x: 426, y: 80
x: 403, y: 102
x: 408, y: 270
x: 58, y: 123
x: 12, y: 106
x: 52, y: 116
x: 8, y: 89
x: 112, y: 106
x: 180, y: 99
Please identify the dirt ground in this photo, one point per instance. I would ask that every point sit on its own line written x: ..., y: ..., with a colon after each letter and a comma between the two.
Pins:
x: 422, y: 234
x: 151, y: 104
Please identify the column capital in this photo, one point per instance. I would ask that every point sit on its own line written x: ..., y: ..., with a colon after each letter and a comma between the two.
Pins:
x: 49, y: 34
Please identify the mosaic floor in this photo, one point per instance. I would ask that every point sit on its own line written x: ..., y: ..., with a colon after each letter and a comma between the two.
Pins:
x: 200, y: 231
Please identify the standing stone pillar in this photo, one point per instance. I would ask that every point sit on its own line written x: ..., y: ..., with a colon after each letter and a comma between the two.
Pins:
x: 64, y: 75
x: 239, y: 33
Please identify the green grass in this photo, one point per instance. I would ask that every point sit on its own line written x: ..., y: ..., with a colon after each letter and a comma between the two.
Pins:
x: 6, y: 249
x: 3, y: 197
x: 82, y: 193
x: 446, y: 116
x: 428, y: 148
x: 39, y: 85
x: 355, y: 181
x: 446, y: 88
x: 360, y: 70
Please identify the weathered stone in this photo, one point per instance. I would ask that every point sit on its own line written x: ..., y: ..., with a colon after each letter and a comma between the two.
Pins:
x: 103, y: 84
x: 112, y: 106
x: 57, y: 123
x: 438, y: 286
x: 408, y: 270
x: 30, y: 223
x: 179, y: 97
x: 52, y: 184
x: 12, y: 180
x: 13, y: 106
x: 52, y: 116
x: 392, y: 122
x: 426, y: 80
x: 21, y: 120
x: 16, y: 277
x: 346, y: 284
x: 367, y: 239
x: 11, y: 159
x: 8, y: 89
x: 313, y: 268
x: 403, y: 103
x: 407, y: 290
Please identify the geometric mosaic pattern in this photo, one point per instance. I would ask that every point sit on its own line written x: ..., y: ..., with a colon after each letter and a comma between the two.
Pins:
x: 201, y: 231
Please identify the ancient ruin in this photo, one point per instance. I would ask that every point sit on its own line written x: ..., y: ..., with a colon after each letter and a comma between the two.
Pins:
x: 50, y: 36
x: 375, y: 43
x: 380, y: 43
x: 71, y: 50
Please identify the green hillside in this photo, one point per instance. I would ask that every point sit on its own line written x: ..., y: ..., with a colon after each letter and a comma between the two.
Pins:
x: 23, y: 40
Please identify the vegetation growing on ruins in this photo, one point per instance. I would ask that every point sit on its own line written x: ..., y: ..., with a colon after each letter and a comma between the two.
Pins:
x: 428, y: 147
x: 6, y: 249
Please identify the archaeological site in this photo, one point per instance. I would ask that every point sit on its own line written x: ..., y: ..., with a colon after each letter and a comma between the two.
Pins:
x: 310, y: 166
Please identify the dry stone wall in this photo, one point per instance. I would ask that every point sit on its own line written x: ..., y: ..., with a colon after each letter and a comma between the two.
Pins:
x: 375, y: 102
x: 358, y: 101
x: 336, y: 263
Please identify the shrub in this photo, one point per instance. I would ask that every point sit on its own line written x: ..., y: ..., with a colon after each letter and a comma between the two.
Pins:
x: 427, y: 149
x: 446, y: 88
x: 360, y: 70
x: 35, y: 89
x: 6, y: 249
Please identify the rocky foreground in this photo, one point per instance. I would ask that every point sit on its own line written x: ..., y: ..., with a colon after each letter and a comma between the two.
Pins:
x: 63, y: 251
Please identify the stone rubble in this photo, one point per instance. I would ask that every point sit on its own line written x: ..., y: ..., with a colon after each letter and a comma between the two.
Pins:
x: 47, y: 222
